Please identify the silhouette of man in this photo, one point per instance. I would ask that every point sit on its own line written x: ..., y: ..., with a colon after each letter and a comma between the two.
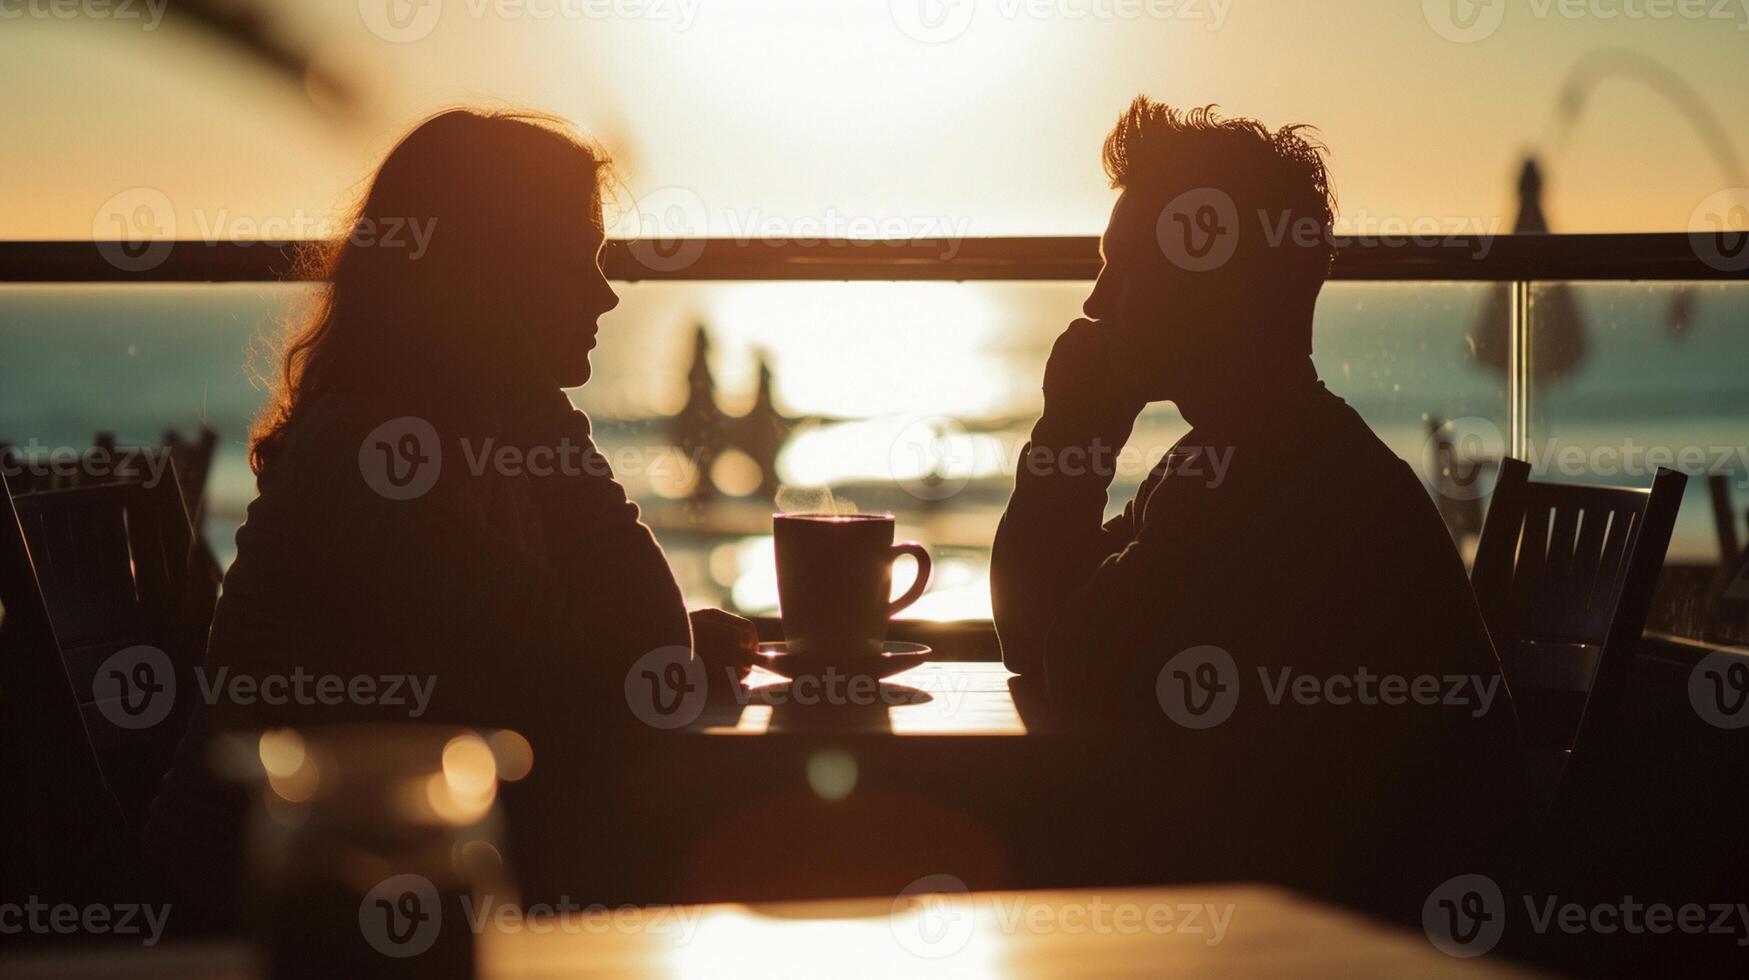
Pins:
x: 1280, y: 532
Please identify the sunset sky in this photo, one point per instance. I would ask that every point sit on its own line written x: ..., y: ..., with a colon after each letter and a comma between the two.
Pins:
x: 927, y: 117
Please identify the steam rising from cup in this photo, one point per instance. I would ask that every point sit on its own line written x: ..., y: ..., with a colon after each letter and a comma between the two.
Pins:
x: 812, y: 500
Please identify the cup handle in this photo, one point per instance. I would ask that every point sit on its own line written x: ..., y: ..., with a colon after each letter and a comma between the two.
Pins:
x: 912, y: 594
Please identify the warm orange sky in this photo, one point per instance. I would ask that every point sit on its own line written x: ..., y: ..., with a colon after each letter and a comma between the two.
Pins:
x: 817, y: 116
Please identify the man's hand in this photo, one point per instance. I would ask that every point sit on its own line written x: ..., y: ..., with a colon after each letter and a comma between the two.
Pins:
x: 1085, y: 385
x: 724, y: 641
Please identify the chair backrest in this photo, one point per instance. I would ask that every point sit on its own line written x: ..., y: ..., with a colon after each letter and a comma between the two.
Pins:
x: 1565, y: 575
x: 193, y: 464
x: 58, y: 803
x: 108, y: 461
x: 110, y: 566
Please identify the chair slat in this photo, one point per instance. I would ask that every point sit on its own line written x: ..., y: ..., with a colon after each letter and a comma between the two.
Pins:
x: 1558, y: 592
x: 1533, y: 553
x: 1612, y: 568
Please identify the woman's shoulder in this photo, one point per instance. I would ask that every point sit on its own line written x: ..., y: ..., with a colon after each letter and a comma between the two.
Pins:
x: 360, y: 456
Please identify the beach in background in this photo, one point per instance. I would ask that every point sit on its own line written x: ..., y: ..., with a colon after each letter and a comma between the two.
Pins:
x: 916, y: 397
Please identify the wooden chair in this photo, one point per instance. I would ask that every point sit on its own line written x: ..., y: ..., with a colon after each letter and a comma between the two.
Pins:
x: 87, y: 575
x: 193, y: 461
x: 187, y: 463
x: 1565, y: 575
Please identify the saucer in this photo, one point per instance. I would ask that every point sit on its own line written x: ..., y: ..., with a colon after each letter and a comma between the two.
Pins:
x: 893, y: 658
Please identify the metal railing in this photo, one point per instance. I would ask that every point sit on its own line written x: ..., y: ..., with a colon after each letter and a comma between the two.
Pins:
x: 1519, y: 261
x: 1673, y: 256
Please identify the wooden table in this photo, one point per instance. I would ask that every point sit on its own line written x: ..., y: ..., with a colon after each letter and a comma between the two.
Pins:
x: 943, y: 698
x: 1206, y: 930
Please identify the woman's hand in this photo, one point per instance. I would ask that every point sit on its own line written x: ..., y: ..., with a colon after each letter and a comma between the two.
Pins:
x: 724, y: 640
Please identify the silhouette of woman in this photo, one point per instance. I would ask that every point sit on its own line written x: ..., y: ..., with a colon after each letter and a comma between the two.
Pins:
x: 431, y: 507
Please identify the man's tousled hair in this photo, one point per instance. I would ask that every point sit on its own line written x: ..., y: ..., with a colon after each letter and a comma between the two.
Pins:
x: 1277, y: 175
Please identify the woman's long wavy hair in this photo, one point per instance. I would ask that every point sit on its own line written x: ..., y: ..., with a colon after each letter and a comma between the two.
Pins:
x: 455, y: 231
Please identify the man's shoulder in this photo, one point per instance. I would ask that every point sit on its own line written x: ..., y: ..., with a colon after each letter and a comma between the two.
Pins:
x: 1320, y: 458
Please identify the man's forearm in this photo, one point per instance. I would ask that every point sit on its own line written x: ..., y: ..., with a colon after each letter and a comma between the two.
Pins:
x: 1052, y: 536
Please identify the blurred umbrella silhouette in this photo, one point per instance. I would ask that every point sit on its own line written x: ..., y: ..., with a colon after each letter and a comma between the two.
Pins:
x: 249, y: 27
x: 762, y: 432
x: 700, y: 428
x: 1560, y: 341
x: 1560, y: 331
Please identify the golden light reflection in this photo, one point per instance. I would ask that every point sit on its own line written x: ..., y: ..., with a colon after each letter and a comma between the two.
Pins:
x: 281, y: 751
x: 513, y: 754
x: 291, y: 774
x: 477, y: 858
x: 953, y: 323
x: 756, y: 585
x: 460, y: 792
x: 465, y: 789
x: 755, y: 719
x: 735, y: 473
x: 884, y: 449
x: 734, y: 942
x: 832, y: 774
